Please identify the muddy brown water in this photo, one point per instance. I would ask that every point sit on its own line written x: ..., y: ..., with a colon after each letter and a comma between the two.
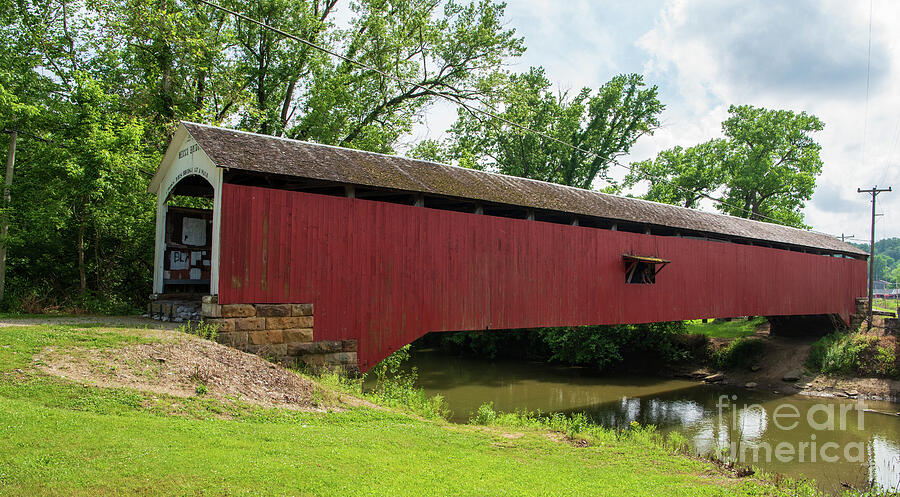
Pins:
x: 830, y: 440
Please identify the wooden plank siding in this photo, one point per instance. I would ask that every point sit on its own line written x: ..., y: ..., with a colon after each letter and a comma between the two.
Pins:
x: 385, y: 274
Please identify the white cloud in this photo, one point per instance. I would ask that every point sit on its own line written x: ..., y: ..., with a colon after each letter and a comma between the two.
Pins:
x: 803, y: 55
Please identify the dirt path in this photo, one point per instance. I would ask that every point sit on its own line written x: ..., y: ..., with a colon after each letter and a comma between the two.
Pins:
x: 780, y: 357
x: 785, y: 357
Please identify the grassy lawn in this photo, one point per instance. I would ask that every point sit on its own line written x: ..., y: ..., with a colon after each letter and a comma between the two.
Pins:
x: 61, y: 438
x: 885, y: 304
x: 15, y: 315
x: 730, y: 329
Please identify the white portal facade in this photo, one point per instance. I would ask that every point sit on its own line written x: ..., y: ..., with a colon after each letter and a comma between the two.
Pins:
x: 184, y: 158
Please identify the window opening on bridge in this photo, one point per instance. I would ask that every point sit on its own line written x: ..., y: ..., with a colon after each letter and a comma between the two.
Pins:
x: 642, y: 270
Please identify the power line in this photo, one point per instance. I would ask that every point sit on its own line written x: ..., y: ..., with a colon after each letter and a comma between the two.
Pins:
x: 476, y: 110
x: 868, y: 67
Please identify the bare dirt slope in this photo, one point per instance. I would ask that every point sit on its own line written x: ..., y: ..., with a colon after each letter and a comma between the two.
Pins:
x: 780, y: 357
x: 183, y: 365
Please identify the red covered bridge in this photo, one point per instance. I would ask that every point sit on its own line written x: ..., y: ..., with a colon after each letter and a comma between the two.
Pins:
x: 337, y: 256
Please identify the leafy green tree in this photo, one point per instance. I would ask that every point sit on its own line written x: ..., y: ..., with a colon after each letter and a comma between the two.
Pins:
x: 771, y: 163
x: 179, y: 59
x: 766, y: 165
x: 605, y: 123
x: 881, y: 266
x: 895, y: 274
x: 444, y: 47
x: 271, y: 66
x: 97, y: 86
x: 681, y: 176
x: 171, y: 59
x: 81, y: 220
x: 431, y: 150
x: 889, y: 247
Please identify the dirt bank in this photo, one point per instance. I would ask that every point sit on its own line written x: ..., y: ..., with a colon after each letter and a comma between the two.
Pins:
x: 781, y: 368
x: 184, y: 366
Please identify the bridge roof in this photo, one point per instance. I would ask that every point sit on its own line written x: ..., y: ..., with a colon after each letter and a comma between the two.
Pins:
x: 273, y: 155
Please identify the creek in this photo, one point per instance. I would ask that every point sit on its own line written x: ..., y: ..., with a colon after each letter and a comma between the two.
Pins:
x: 830, y: 440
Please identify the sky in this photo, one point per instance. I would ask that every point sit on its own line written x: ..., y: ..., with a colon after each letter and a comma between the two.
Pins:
x: 704, y: 55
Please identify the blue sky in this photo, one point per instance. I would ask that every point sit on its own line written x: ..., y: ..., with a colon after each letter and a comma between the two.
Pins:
x: 803, y: 55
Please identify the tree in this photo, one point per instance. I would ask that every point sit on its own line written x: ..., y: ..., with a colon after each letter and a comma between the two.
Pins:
x: 766, y: 165
x: 895, y: 275
x: 602, y: 125
x: 444, y: 47
x: 97, y: 86
x: 771, y: 163
x: 881, y: 266
x: 171, y: 60
x: 681, y: 176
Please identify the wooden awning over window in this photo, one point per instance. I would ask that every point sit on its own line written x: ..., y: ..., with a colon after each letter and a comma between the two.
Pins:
x: 650, y: 260
x: 642, y: 269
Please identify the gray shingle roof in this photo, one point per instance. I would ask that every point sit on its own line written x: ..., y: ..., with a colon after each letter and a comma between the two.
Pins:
x: 267, y: 154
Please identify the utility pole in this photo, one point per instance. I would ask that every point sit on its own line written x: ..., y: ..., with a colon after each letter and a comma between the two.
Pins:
x: 4, y: 220
x: 844, y: 237
x: 874, y: 191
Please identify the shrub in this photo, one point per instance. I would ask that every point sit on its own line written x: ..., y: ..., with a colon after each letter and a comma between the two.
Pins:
x: 396, y: 387
x: 694, y: 345
x: 839, y: 353
x: 603, y: 347
x: 597, y: 346
x: 484, y: 415
x: 606, y: 347
x: 886, y: 362
x: 525, y: 343
x: 740, y: 353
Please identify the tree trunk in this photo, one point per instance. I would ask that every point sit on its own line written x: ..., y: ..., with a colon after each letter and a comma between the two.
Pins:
x: 286, y: 105
x: 4, y: 219
x: 81, y: 274
x: 97, y: 274
x: 201, y: 90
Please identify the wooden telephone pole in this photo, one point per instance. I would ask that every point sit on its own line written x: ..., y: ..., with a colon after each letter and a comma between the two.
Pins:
x: 874, y: 191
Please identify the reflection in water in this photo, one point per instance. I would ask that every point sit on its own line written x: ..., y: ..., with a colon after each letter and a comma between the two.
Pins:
x: 824, y: 439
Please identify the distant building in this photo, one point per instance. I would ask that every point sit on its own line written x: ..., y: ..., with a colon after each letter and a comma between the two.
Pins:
x: 882, y: 289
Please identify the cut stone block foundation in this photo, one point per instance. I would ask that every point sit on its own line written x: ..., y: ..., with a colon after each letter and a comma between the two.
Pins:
x: 860, y: 314
x: 279, y: 332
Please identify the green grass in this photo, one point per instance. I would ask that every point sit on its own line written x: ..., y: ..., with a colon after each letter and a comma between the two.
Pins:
x: 852, y: 354
x: 729, y: 329
x: 18, y: 315
x: 62, y: 438
x: 741, y: 353
x: 885, y: 305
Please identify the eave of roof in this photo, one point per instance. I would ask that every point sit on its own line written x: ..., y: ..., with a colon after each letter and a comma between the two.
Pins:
x: 252, y: 152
